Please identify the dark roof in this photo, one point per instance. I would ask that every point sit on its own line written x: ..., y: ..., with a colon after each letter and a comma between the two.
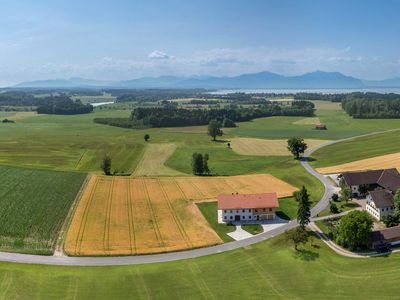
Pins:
x: 389, y: 178
x: 387, y: 234
x: 241, y: 201
x: 382, y: 198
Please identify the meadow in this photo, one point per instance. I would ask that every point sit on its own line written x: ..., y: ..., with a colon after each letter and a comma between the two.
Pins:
x: 33, y: 206
x: 270, y: 268
x: 125, y: 216
x: 357, y: 149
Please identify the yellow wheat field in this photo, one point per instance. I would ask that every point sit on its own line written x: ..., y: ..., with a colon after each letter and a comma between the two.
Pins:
x: 262, y: 147
x: 374, y: 163
x: 133, y: 215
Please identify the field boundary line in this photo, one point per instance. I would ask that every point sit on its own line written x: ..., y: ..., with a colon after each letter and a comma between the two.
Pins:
x: 175, y: 217
x: 82, y: 225
x: 140, y: 160
x: 79, y: 160
x: 153, y: 217
x: 130, y: 219
x: 62, y: 233
x: 106, y: 234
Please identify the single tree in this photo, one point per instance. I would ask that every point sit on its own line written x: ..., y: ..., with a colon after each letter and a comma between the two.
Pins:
x: 346, y: 193
x: 304, y: 208
x: 106, y: 165
x: 355, y: 230
x: 146, y: 137
x: 335, y: 197
x: 397, y: 202
x: 298, y: 236
x: 214, y: 129
x: 333, y: 208
x: 197, y: 163
x: 391, y: 220
x: 296, y: 146
x: 363, y: 189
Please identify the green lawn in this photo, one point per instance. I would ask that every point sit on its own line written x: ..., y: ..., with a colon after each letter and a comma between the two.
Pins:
x: 253, y: 228
x: 209, y: 211
x: 356, y: 149
x: 270, y: 268
x: 342, y: 206
x: 33, y: 206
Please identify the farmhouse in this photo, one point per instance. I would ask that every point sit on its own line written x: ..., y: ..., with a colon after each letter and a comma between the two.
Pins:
x: 373, y: 179
x: 247, y: 207
x: 379, y: 187
x: 379, y: 203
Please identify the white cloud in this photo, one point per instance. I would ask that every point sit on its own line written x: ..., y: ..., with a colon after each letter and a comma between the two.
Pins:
x: 158, y: 55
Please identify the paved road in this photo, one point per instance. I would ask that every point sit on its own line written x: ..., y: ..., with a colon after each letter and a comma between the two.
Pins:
x: 165, y: 257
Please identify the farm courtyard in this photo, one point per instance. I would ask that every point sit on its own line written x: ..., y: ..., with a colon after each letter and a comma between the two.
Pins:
x: 132, y: 215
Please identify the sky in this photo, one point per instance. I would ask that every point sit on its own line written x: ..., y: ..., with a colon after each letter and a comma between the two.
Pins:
x: 118, y: 39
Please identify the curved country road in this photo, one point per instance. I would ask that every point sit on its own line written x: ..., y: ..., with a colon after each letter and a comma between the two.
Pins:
x: 173, y: 256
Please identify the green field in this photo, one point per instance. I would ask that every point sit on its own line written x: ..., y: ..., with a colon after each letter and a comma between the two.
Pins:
x: 209, y: 211
x: 339, y: 125
x: 270, y: 269
x: 252, y: 228
x: 356, y: 149
x: 33, y: 206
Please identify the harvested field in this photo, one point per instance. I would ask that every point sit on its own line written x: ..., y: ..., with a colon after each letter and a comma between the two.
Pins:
x: 374, y: 163
x: 132, y: 215
x: 23, y: 115
x: 308, y: 121
x: 152, y: 162
x: 253, y: 146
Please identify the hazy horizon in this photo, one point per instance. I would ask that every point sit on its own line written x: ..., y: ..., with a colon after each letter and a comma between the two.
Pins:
x: 125, y: 40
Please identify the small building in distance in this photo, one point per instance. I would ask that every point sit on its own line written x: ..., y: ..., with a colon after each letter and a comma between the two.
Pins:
x: 321, y: 127
x: 247, y: 207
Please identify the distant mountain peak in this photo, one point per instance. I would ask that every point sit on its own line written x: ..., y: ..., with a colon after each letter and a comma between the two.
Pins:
x: 265, y: 79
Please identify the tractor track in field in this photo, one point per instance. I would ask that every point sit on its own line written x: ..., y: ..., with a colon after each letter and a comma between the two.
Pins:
x: 188, y: 254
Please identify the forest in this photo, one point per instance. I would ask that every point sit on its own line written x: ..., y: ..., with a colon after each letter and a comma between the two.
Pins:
x: 175, y: 117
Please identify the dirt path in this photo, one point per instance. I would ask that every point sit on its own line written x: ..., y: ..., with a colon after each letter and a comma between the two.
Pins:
x: 152, y: 162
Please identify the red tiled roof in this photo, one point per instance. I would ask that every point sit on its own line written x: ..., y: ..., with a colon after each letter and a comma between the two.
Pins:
x: 242, y: 201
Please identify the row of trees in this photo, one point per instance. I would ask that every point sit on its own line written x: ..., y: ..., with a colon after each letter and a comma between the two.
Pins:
x: 372, y: 105
x: 200, y: 164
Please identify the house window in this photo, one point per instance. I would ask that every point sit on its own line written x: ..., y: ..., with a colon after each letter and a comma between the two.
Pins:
x: 242, y: 217
x: 270, y: 209
x: 249, y: 210
x: 242, y: 210
x: 225, y: 218
x: 263, y: 209
x: 256, y: 210
x: 231, y: 211
x: 225, y: 211
x: 231, y: 217
x: 237, y: 211
x: 249, y: 217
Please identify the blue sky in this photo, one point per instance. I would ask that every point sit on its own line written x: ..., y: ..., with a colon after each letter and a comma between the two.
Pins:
x: 128, y: 39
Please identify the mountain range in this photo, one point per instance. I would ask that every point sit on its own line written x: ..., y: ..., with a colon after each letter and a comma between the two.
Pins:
x: 266, y: 80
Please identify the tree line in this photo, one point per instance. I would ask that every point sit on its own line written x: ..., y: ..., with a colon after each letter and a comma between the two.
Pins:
x: 372, y: 106
x: 176, y: 117
x: 63, y: 105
